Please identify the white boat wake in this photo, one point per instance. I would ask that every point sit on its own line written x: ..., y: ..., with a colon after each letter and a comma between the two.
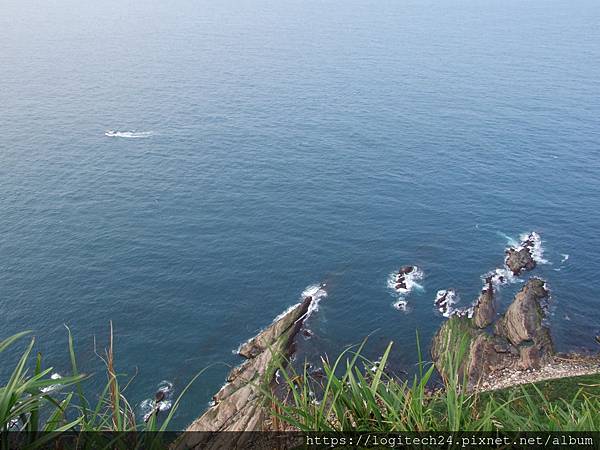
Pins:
x: 128, y: 134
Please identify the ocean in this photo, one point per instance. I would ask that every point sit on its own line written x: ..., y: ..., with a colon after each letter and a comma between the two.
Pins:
x: 187, y: 169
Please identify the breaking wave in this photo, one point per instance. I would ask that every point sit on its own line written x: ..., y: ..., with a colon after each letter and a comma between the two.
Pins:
x: 150, y: 405
x: 445, y: 300
x: 499, y: 277
x: 317, y: 292
x: 410, y: 281
x: 402, y: 282
x: 532, y: 242
x: 537, y: 250
x: 565, y: 258
x: 401, y: 305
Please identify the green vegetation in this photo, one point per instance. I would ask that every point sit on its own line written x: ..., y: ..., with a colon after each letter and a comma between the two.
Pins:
x: 353, y: 394
x: 29, y: 403
x: 355, y: 399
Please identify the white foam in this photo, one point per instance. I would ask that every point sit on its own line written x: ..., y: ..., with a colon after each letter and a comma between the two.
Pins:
x: 410, y: 280
x: 447, y: 307
x: 565, y: 257
x: 52, y: 387
x: 317, y: 292
x: 376, y: 365
x: 411, y: 283
x: 280, y: 316
x: 128, y: 134
x: 546, y: 288
x: 510, y: 241
x: 500, y: 277
x: 401, y: 305
x: 537, y: 251
x: 148, y: 406
x: 462, y: 312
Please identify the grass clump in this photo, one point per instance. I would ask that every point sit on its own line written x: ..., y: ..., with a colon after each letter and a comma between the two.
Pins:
x: 352, y: 398
x: 30, y: 405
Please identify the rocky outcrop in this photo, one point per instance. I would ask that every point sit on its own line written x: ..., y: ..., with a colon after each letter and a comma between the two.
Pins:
x: 521, y: 258
x: 404, y: 278
x: 522, y: 325
x: 519, y: 339
x: 240, y: 404
x: 401, y: 278
x: 484, y: 310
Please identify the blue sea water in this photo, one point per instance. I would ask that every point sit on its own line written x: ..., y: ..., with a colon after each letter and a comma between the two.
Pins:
x: 287, y: 143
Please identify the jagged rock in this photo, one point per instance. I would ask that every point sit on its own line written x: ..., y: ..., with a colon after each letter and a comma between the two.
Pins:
x: 485, y: 308
x: 239, y: 404
x: 523, y: 319
x: 519, y: 260
x: 522, y: 325
x: 530, y: 357
x: 487, y: 354
x: 483, y: 354
x: 519, y: 340
x: 406, y: 269
x: 259, y: 343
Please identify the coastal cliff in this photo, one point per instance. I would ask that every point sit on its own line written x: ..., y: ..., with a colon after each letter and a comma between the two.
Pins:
x: 519, y: 340
x: 240, y: 403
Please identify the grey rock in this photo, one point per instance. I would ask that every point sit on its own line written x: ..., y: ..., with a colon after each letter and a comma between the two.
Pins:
x: 239, y: 403
x: 485, y: 308
x: 519, y: 260
x: 519, y: 339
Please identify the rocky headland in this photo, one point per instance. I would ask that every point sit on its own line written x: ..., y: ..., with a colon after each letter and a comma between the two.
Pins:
x: 514, y: 348
x: 496, y: 351
x: 517, y: 341
x: 240, y: 403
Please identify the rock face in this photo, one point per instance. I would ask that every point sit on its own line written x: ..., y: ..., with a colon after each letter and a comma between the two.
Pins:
x: 519, y: 339
x: 484, y: 310
x: 238, y: 406
x: 519, y: 260
x: 522, y: 325
x: 522, y: 257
